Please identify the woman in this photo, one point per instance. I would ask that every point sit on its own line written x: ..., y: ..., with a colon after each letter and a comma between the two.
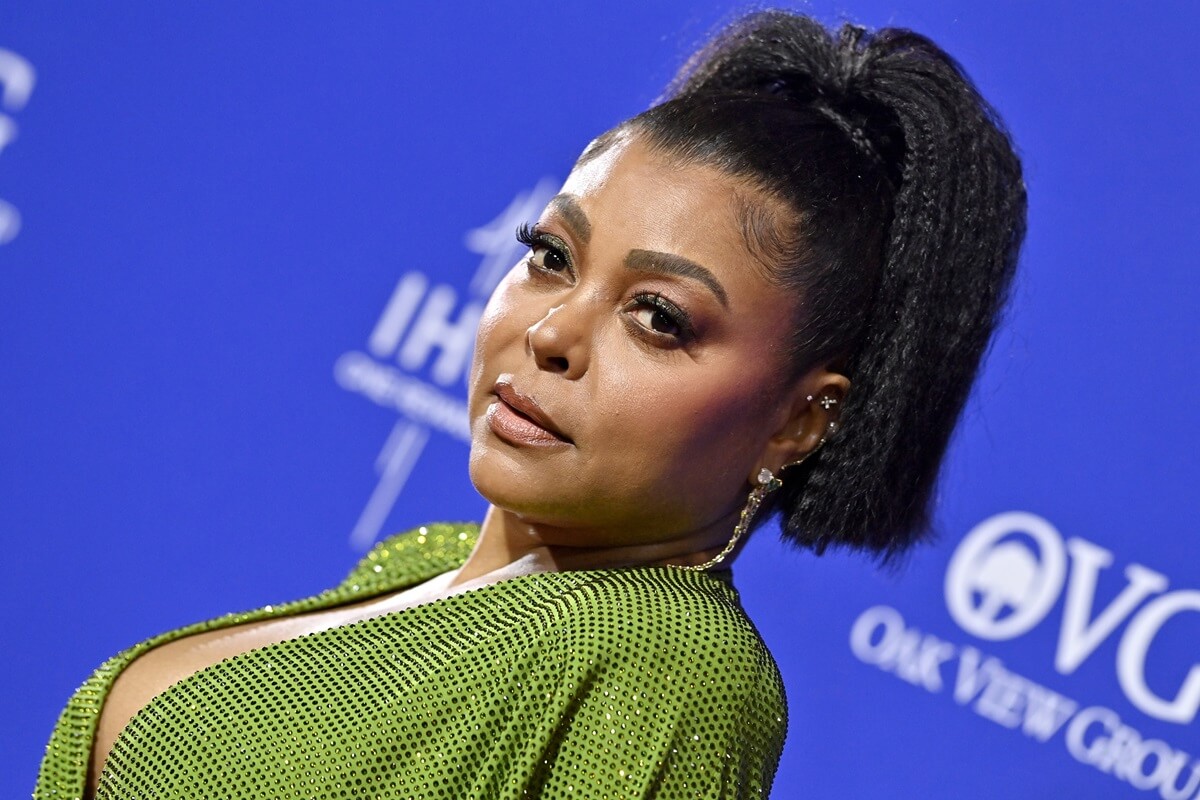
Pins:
x: 770, y: 293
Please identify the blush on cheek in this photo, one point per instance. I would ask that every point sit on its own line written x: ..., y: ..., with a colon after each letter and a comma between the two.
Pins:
x: 718, y: 434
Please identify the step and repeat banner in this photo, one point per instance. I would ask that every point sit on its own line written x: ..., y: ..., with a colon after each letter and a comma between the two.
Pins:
x: 243, y: 251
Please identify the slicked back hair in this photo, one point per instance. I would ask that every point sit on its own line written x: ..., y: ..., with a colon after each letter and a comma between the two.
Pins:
x: 908, y: 214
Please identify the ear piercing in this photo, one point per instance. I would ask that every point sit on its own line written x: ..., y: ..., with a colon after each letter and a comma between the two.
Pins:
x: 767, y: 480
x: 765, y: 483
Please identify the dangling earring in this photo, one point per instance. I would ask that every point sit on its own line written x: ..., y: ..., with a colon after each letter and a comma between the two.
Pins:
x: 767, y: 483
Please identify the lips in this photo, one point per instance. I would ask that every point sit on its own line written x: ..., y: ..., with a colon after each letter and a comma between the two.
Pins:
x: 518, y: 418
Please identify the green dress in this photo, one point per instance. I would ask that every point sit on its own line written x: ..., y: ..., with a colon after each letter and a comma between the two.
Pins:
x: 647, y: 682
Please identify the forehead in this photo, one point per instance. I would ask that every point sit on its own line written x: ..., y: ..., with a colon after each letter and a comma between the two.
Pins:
x: 633, y: 192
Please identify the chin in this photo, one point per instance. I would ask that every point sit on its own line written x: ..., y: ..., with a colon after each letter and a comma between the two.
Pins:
x: 509, y: 485
x: 538, y: 499
x: 504, y: 479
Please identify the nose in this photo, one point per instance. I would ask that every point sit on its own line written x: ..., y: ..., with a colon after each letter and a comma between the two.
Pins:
x: 558, y: 342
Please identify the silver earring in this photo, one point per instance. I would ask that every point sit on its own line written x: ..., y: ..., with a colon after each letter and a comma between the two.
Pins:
x: 828, y: 402
x: 766, y: 483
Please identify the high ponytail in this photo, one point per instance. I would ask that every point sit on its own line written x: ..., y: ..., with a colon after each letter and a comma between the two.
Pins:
x: 909, y: 215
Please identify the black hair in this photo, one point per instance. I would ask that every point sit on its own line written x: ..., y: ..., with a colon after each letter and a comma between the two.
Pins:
x: 908, y: 214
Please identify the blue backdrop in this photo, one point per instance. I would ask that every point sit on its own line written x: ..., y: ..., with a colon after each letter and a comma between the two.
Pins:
x: 243, y: 247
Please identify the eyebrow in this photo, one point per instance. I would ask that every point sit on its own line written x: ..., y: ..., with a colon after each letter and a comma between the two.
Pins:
x: 572, y: 213
x: 652, y: 261
x: 670, y: 264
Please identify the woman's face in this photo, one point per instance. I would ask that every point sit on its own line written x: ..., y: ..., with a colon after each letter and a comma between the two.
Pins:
x: 626, y: 382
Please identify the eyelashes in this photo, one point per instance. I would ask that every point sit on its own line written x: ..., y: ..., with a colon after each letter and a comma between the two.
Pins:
x: 654, y: 316
x: 546, y: 252
x: 526, y: 235
x: 660, y: 316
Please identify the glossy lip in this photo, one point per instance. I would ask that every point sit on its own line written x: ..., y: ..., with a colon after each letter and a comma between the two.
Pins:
x: 528, y: 411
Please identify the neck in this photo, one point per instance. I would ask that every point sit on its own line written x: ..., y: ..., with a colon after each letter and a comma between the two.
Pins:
x: 509, y: 546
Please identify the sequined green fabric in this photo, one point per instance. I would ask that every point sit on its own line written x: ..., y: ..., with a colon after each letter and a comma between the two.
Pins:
x: 633, y: 683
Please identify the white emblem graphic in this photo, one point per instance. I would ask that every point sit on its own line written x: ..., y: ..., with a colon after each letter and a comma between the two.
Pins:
x: 418, y: 355
x: 16, y: 85
x: 1004, y: 578
x: 999, y: 586
x: 1010, y: 570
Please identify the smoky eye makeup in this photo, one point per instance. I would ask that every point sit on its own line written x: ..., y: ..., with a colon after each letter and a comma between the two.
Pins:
x: 547, y: 252
x: 650, y: 314
x: 656, y: 318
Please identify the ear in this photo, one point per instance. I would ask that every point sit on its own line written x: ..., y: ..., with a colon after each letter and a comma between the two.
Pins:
x: 811, y: 412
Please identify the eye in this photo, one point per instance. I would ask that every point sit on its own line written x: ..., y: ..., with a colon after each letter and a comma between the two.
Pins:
x: 660, y: 316
x: 546, y: 257
x: 546, y: 252
x: 657, y: 321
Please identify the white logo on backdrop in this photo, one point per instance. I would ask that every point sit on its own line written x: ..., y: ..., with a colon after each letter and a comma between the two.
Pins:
x: 987, y: 563
x: 997, y: 590
x: 1002, y: 582
x: 418, y: 355
x: 16, y: 85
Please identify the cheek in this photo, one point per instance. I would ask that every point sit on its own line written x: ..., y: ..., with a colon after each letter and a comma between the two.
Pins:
x: 499, y: 326
x: 720, y: 421
x: 696, y: 431
x: 502, y: 306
